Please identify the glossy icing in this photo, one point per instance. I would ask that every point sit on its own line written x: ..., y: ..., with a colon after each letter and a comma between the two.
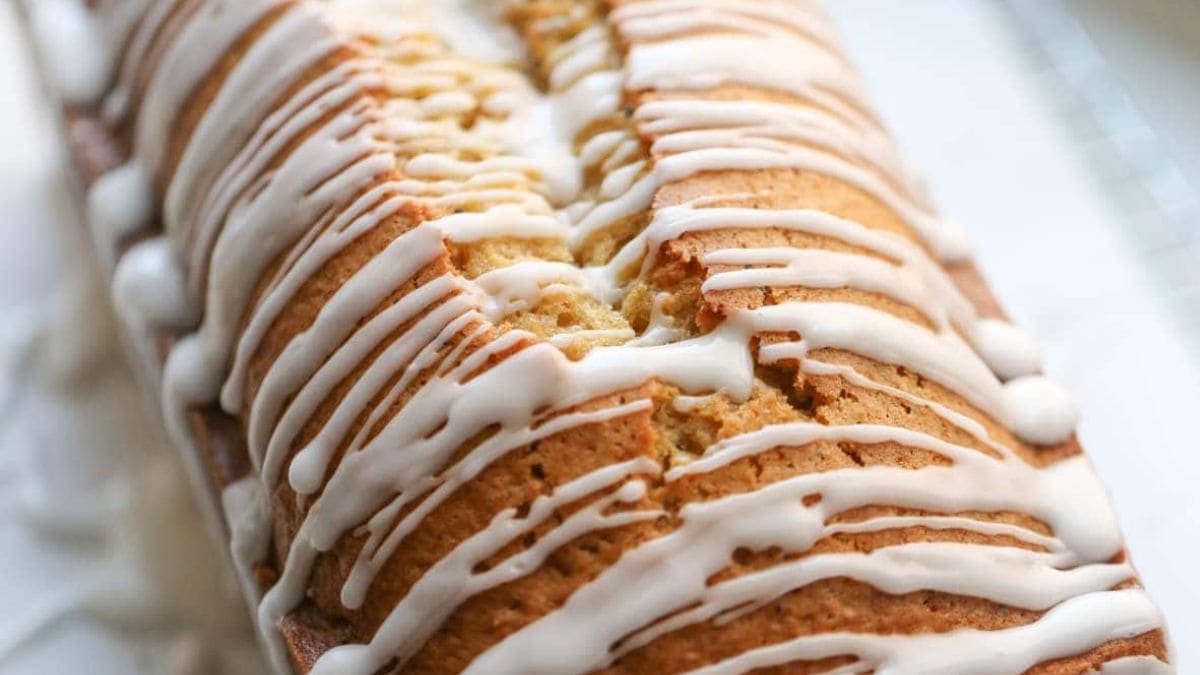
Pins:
x: 235, y: 202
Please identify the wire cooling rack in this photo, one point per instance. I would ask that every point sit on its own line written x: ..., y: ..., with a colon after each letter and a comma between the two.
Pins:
x: 1129, y: 161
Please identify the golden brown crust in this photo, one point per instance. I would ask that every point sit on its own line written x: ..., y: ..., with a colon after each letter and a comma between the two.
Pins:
x: 661, y: 433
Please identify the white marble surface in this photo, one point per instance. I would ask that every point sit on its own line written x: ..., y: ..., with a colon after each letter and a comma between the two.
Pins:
x: 957, y: 90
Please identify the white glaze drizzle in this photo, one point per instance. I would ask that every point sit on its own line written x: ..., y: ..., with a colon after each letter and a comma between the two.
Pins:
x: 1066, y: 630
x: 149, y: 289
x: 247, y: 514
x: 233, y: 207
x: 1136, y: 665
x: 630, y: 594
x: 453, y: 579
x: 699, y: 135
x: 72, y: 48
x: 120, y: 203
x: 916, y: 282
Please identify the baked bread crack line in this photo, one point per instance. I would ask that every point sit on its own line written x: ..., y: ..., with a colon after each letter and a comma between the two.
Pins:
x: 379, y: 128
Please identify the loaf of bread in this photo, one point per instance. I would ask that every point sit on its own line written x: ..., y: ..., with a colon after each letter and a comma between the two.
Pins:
x: 569, y: 336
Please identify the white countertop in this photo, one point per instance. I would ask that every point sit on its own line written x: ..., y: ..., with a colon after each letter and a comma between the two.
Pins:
x: 960, y: 92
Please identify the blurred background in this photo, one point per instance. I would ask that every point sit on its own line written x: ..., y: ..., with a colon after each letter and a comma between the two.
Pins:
x: 1065, y: 134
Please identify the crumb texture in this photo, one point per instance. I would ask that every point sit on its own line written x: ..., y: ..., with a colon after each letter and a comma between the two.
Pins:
x: 558, y: 336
